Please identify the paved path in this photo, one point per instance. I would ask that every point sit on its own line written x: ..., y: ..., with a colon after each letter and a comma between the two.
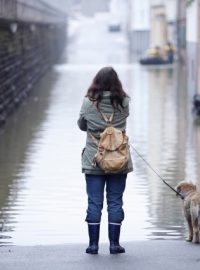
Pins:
x: 141, y: 255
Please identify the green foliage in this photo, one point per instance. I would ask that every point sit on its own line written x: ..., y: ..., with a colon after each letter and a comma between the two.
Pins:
x: 189, y: 2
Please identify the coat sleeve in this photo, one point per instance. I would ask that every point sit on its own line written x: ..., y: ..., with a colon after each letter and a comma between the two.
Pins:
x: 82, y: 122
x: 126, y: 106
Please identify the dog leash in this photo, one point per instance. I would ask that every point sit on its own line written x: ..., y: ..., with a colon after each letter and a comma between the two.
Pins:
x: 149, y: 165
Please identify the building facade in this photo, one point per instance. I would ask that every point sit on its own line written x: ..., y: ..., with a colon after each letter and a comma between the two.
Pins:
x: 193, y: 41
x: 139, y: 27
x: 152, y: 23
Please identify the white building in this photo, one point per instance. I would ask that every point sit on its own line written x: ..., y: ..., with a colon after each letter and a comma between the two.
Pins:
x: 193, y: 42
x: 171, y: 16
x: 152, y: 23
x: 119, y: 13
x: 163, y: 21
x: 139, y: 25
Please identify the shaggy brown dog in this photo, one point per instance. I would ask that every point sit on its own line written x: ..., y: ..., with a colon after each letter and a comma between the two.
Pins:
x: 191, y: 208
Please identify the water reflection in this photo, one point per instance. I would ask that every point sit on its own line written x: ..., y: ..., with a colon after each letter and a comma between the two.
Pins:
x: 161, y: 128
x: 15, y: 140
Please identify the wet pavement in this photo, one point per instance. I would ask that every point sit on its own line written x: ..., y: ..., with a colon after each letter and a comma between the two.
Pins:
x: 145, y: 255
x: 42, y: 190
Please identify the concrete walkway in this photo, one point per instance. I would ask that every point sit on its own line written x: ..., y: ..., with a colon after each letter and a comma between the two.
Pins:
x: 141, y: 255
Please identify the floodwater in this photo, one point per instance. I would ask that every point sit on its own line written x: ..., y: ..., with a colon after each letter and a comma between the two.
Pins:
x: 42, y: 189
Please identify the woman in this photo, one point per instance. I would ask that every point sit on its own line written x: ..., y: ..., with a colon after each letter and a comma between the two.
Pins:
x: 104, y: 95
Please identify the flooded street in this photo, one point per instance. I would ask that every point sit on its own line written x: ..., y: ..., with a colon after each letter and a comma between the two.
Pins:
x: 42, y: 190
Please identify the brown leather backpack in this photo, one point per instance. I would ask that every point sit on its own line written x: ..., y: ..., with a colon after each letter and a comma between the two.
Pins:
x: 112, y: 149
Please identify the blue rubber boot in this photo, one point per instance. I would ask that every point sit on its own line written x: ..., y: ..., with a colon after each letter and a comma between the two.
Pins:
x: 93, y: 231
x: 114, y: 234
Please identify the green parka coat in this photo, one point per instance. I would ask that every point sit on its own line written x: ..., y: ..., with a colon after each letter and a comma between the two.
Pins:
x: 90, y: 120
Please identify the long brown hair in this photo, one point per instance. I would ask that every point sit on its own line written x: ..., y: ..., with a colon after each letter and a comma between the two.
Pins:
x: 107, y: 80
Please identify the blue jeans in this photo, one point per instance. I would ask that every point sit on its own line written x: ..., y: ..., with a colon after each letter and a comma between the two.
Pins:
x: 115, y: 186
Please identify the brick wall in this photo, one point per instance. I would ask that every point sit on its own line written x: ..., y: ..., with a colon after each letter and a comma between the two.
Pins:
x: 24, y: 57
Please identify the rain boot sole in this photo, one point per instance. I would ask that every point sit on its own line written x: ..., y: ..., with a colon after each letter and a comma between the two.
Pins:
x: 117, y: 251
x: 93, y: 252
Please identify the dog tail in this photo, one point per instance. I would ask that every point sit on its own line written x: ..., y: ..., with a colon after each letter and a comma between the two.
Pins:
x: 198, y: 215
x: 199, y: 218
x: 195, y: 212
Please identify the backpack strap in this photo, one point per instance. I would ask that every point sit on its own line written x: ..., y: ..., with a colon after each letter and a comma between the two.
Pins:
x: 106, y: 119
x: 94, y: 139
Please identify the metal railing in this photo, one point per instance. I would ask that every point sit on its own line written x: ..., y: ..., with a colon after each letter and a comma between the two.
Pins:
x: 30, y: 10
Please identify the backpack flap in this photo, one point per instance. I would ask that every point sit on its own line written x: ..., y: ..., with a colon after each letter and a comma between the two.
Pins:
x: 111, y: 138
